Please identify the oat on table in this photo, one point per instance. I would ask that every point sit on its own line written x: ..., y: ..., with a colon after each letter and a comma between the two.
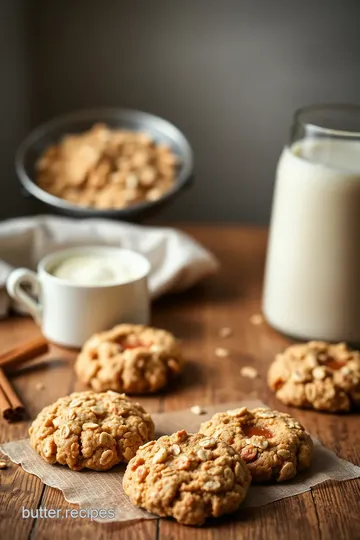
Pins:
x: 273, y: 444
x: 90, y: 430
x: 249, y: 371
x: 129, y: 358
x: 220, y: 352
x: 188, y: 477
x: 225, y: 332
x: 317, y: 375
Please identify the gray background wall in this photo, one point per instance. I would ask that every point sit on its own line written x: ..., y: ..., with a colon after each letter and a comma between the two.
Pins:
x: 227, y: 72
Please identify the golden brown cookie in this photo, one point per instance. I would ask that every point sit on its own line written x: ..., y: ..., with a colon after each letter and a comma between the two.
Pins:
x: 96, y: 431
x: 273, y: 444
x: 188, y: 477
x: 129, y: 358
x: 317, y: 375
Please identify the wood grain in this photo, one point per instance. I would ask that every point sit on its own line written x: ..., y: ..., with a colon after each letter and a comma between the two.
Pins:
x: 329, y: 511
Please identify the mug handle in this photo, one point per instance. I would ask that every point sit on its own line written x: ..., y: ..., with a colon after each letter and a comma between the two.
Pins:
x: 14, y: 282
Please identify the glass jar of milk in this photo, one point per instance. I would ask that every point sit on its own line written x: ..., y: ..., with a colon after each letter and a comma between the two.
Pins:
x: 312, y: 277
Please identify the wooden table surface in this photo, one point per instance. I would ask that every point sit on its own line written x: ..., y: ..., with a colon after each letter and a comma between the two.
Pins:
x: 329, y: 511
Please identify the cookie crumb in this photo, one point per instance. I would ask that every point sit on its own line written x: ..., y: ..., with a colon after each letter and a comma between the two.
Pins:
x: 3, y: 465
x: 249, y: 372
x: 196, y: 409
x: 39, y: 386
x: 221, y: 353
x: 256, y: 319
x: 225, y: 332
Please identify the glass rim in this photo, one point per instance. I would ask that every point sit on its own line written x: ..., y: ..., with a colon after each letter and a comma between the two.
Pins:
x: 346, y: 108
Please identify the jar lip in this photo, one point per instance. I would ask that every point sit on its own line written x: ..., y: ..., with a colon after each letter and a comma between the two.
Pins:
x: 334, y: 119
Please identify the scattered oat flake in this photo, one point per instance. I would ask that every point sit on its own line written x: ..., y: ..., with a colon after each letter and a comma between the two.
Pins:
x: 256, y: 319
x: 176, y: 450
x: 39, y: 386
x: 3, y: 465
x: 221, y: 353
x: 225, y: 332
x: 160, y: 456
x: 249, y: 372
x: 196, y: 409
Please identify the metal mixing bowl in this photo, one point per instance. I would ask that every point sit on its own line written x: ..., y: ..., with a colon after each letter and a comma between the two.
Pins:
x: 47, y: 134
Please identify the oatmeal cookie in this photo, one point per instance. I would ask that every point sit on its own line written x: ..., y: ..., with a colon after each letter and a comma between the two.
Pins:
x: 188, y: 477
x: 129, y: 358
x: 317, y: 375
x: 273, y: 444
x: 96, y: 431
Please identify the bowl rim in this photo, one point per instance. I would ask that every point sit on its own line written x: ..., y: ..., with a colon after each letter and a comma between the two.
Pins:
x: 184, y: 176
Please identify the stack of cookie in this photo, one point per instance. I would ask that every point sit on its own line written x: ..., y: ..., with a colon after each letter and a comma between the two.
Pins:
x: 100, y: 428
x: 190, y: 477
x: 208, y: 474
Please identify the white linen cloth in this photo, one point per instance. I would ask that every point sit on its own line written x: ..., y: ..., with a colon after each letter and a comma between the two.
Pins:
x: 177, y: 261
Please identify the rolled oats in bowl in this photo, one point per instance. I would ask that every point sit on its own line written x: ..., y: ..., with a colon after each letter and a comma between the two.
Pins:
x: 106, y: 162
x: 107, y: 168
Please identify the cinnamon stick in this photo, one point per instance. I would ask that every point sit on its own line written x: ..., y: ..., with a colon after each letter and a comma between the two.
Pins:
x: 11, y: 406
x: 5, y: 406
x: 24, y: 352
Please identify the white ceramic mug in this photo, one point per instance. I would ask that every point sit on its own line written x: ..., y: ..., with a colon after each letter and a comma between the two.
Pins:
x: 69, y: 313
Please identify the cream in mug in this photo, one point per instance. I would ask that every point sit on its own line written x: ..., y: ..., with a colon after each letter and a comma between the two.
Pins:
x: 93, y: 269
x: 83, y: 291
x: 312, y: 278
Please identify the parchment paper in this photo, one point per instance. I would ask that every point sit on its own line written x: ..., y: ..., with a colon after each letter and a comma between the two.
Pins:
x: 98, y: 490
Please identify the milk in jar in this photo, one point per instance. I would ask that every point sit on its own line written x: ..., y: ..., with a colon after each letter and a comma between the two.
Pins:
x: 312, y: 276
